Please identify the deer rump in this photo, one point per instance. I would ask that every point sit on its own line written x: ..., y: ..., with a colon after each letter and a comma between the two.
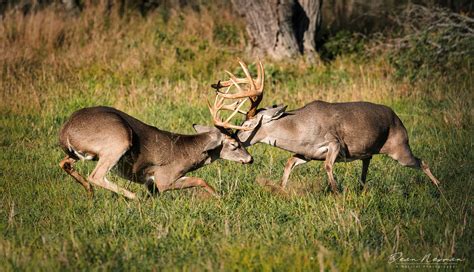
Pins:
x: 82, y: 138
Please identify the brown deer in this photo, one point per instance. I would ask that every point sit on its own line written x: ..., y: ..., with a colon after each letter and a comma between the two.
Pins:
x: 329, y: 132
x: 143, y: 153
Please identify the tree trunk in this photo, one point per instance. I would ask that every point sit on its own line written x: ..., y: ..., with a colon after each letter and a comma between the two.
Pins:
x: 281, y: 28
x: 313, y: 11
x: 71, y: 5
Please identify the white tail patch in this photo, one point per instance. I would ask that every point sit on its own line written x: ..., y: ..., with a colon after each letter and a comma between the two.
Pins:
x: 83, y: 156
x: 80, y: 154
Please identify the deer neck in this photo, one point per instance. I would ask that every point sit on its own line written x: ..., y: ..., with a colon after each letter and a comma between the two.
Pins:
x: 192, y: 154
x: 281, y: 133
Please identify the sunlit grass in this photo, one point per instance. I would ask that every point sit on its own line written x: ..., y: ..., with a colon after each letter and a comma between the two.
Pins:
x: 47, y: 222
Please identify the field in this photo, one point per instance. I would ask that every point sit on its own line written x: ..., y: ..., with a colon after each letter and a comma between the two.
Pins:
x: 158, y: 69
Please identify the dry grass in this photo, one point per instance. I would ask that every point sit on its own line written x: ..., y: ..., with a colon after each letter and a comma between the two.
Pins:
x: 53, y: 47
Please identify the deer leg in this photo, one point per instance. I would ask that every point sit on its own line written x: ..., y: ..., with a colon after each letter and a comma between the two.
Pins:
x: 98, y: 177
x: 333, y: 152
x: 67, y: 165
x: 426, y: 169
x: 405, y: 157
x: 290, y: 165
x: 189, y: 182
x: 365, y: 168
x: 151, y: 186
x: 423, y: 166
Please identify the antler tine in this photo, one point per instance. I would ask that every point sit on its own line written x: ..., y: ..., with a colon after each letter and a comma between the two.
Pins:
x: 247, y: 74
x: 213, y: 112
x: 241, y: 102
x: 228, y: 83
x: 217, y: 120
x: 253, y: 93
x: 260, y: 76
x: 236, y: 85
x: 227, y: 125
x: 258, y: 92
x: 233, y: 106
x: 220, y: 101
x: 241, y: 93
x: 236, y: 79
x: 219, y: 105
x: 256, y: 87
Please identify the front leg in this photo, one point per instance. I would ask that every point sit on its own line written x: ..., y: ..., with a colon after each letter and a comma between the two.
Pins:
x: 189, y: 182
x: 290, y: 164
x: 183, y: 183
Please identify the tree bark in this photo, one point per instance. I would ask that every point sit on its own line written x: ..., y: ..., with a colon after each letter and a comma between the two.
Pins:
x: 269, y: 26
x: 281, y: 28
x: 313, y: 10
x: 71, y: 5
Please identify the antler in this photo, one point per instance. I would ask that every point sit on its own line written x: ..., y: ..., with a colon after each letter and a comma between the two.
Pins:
x: 254, y: 92
x: 219, y: 105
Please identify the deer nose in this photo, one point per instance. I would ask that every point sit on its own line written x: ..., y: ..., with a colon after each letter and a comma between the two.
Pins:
x: 250, y: 161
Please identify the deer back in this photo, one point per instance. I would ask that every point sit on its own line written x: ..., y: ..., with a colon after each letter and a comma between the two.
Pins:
x: 362, y: 128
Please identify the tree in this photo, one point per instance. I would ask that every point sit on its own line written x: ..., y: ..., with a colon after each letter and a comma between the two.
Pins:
x: 281, y: 28
x: 72, y: 5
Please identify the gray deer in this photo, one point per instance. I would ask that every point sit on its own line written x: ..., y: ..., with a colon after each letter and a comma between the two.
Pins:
x: 143, y: 153
x: 329, y: 132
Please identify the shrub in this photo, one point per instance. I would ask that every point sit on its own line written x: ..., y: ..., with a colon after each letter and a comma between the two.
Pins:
x: 434, y: 42
x: 226, y: 34
x: 343, y: 43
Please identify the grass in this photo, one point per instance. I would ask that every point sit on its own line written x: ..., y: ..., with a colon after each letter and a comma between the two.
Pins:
x: 158, y: 69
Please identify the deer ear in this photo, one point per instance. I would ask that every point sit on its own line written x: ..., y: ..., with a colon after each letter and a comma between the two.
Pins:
x: 215, y: 137
x: 273, y: 113
x: 203, y: 129
x: 253, y: 125
x: 279, y: 112
x: 214, y: 142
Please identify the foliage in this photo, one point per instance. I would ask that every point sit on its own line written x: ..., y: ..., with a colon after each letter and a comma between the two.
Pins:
x: 343, y: 43
x: 434, y: 41
x: 143, y: 65
x: 227, y: 34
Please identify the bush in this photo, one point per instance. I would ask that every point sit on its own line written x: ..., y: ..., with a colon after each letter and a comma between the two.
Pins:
x: 227, y: 34
x: 434, y: 42
x: 343, y: 43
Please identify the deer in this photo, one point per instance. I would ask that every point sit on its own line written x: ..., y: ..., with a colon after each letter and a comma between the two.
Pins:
x: 143, y: 153
x: 322, y: 131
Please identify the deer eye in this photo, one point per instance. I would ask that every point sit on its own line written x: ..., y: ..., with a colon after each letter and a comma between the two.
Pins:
x: 234, y: 145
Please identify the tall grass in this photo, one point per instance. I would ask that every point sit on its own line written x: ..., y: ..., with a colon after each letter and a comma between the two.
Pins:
x: 158, y: 68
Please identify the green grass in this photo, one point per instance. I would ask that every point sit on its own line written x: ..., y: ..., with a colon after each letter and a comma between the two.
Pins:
x: 48, y: 223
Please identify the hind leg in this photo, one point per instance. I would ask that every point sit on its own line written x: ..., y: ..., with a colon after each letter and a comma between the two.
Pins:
x: 163, y: 183
x: 67, y: 165
x: 331, y: 156
x: 98, y: 176
x: 189, y: 182
x: 405, y: 157
x: 365, y: 169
